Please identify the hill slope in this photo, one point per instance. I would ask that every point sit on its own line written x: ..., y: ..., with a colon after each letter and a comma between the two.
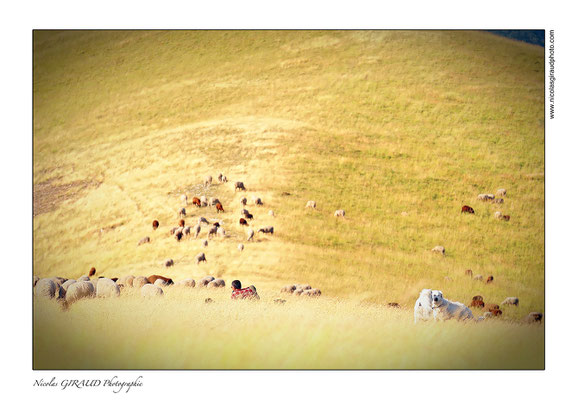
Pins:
x: 376, y: 123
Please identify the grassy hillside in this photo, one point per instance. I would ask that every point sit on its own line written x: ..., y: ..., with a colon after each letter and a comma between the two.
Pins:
x: 376, y: 123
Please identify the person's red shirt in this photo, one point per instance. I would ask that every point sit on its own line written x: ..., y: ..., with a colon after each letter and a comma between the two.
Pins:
x: 242, y: 293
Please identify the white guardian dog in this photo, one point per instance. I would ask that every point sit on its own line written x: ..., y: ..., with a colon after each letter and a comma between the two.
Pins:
x: 444, y: 309
x: 423, y: 310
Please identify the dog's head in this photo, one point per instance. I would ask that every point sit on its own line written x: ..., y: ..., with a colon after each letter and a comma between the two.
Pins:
x: 437, y: 298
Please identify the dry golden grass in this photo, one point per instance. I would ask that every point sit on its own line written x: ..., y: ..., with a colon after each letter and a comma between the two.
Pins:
x: 376, y: 123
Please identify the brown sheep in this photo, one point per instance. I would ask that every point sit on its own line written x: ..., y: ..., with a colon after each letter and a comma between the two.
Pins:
x: 477, y: 304
x: 92, y: 271
x: 219, y: 207
x: 197, y: 201
x: 468, y: 209
x: 469, y: 272
x: 478, y: 297
x: 496, y: 313
x: 491, y: 306
x: 155, y: 225
x: 169, y: 262
x: 243, y: 221
x: 182, y: 223
x: 240, y: 186
x: 153, y: 278
x: 490, y: 279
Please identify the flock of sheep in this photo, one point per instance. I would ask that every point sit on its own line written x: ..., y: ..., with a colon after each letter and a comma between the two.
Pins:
x: 71, y: 290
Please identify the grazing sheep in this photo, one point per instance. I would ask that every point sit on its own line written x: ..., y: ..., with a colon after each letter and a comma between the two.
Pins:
x: 468, y: 209
x: 144, y: 240
x: 196, y: 230
x: 224, y: 179
x: 127, y: 280
x: 469, y: 272
x: 220, y: 177
x: 311, y: 204
x: 240, y: 186
x: 439, y: 249
x: 311, y: 292
x: 205, y: 243
x: 496, y: 313
x: 153, y: 278
x: 244, y: 201
x: 219, y: 207
x: 258, y: 201
x: 204, y: 220
x: 297, y: 292
x: 498, y: 201
x: 498, y: 215
x: 501, y: 192
x: 83, y: 278
x: 208, y: 180
x: 150, y: 290
x: 212, y: 231
x: 533, y: 317
x: 179, y: 235
x: 204, y: 201
x: 92, y: 272
x: 491, y: 306
x: 208, y: 300
x: 478, y: 297
x: 244, y: 212
x: 173, y: 230
x: 243, y: 221
x: 79, y: 290
x: 393, y: 305
x: 139, y: 281
x: 169, y: 262
x: 107, y: 288
x: 217, y: 224
x: 477, y: 303
x: 186, y: 283
x: 268, y: 229
x: 66, y: 284
x: 249, y: 216
x: 271, y: 213
x: 45, y: 288
x: 339, y: 213
x: 288, y: 289
x: 205, y: 281
x: 490, y: 279
x: 200, y: 257
x: 487, y: 314
x: 250, y: 234
x: 241, y: 246
x: 187, y: 230
x: 506, y: 218
x: 182, y: 223
x: 513, y: 301
x: 486, y: 197
x: 478, y: 278
x: 155, y: 225
x: 216, y: 283
x: 182, y: 213
x: 184, y: 199
x: 221, y: 232
x: 302, y: 287
x: 196, y: 201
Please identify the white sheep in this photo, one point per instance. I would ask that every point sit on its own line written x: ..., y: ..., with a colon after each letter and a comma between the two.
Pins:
x: 311, y: 204
x: 271, y: 213
x: 107, y: 288
x: 212, y: 231
x: 498, y: 215
x: 79, y: 290
x: 501, y: 192
x: 204, y: 202
x: 514, y: 301
x: 45, y: 288
x: 84, y: 278
x: 185, y: 199
x: 439, y: 249
x: 208, y: 180
x: 150, y: 290
x: 186, y: 283
x: 161, y: 282
x: 144, y: 240
x: 250, y: 234
x: 240, y: 246
x: 288, y: 289
x: 205, y: 281
x: 66, y: 284
x: 339, y: 213
x: 196, y: 230
x: 139, y: 281
x: 221, y: 232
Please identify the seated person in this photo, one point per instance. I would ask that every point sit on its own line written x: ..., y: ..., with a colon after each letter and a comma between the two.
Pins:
x: 246, y: 293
